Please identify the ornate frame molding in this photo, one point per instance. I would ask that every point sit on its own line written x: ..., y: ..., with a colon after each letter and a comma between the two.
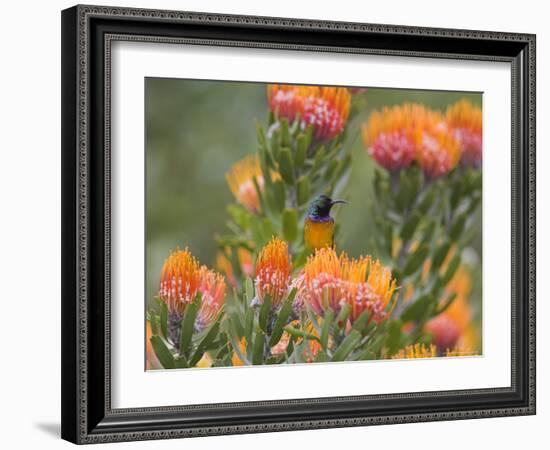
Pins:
x: 84, y: 49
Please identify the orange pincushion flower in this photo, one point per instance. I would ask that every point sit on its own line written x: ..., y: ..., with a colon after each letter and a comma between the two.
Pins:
x: 437, y: 151
x: 179, y: 280
x: 398, y: 136
x: 273, y: 270
x: 212, y: 288
x: 326, y: 108
x: 389, y: 135
x: 240, y: 179
x: 416, y: 351
x: 465, y: 122
x: 329, y: 281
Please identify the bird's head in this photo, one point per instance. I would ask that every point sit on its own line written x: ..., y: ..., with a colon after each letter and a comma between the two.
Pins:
x: 321, y: 206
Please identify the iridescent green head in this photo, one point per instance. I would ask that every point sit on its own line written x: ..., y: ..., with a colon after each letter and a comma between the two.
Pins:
x: 321, y: 206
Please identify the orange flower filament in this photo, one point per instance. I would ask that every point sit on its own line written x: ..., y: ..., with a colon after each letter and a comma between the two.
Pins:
x: 326, y: 108
x: 329, y: 281
x: 273, y: 270
x: 465, y: 122
x: 416, y: 351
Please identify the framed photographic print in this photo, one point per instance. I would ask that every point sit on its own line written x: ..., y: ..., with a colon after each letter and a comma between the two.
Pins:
x: 282, y: 224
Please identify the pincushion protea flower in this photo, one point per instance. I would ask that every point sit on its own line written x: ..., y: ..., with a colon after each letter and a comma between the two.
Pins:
x: 389, y: 135
x: 437, y: 151
x: 416, y: 351
x: 398, y: 136
x: 212, y: 288
x: 179, y: 281
x: 329, y: 281
x: 273, y: 269
x: 240, y: 179
x: 465, y: 122
x: 326, y: 108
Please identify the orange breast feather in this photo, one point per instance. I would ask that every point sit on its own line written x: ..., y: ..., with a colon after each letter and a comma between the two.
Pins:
x: 319, y: 234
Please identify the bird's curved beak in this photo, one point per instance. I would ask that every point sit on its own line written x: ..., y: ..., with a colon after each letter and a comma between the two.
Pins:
x: 335, y: 202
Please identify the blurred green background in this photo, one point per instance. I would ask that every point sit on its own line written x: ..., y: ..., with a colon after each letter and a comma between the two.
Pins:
x: 195, y: 131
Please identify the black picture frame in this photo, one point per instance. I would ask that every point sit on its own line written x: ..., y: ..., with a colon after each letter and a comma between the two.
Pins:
x: 87, y: 33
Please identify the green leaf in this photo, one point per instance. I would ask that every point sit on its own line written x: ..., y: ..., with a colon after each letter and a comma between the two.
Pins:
x: 258, y: 352
x: 265, y: 309
x: 249, y: 289
x: 410, y: 226
x: 286, y: 166
x: 300, y: 334
x: 248, y: 324
x: 163, y: 354
x: 427, y: 201
x: 343, y: 315
x: 330, y: 169
x: 181, y: 362
x: 419, y: 309
x: 280, y: 321
x: 393, y: 341
x: 362, y: 321
x: 205, y: 342
x: 260, y: 136
x: 188, y: 325
x: 317, y: 161
x: 164, y: 320
x: 439, y: 256
x: 290, y: 224
x: 153, y: 322
x: 347, y: 346
x: 325, y: 329
x: 415, y: 260
x: 278, y: 192
x: 458, y: 227
x: 451, y: 269
x: 301, y: 151
x: 285, y: 133
x: 303, y: 190
x: 275, y: 142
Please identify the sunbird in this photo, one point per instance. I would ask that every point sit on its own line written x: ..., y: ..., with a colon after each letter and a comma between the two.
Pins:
x: 319, y: 226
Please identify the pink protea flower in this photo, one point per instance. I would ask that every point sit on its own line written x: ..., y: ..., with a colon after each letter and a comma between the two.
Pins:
x: 445, y: 332
x: 273, y: 269
x: 389, y: 135
x: 397, y: 137
x: 393, y: 150
x: 329, y: 281
x: 212, y: 288
x: 465, y: 122
x: 326, y: 108
x: 437, y: 151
